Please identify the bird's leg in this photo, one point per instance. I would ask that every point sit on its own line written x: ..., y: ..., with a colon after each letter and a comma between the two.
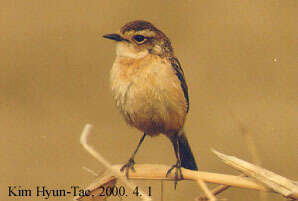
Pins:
x: 176, y: 166
x: 131, y: 161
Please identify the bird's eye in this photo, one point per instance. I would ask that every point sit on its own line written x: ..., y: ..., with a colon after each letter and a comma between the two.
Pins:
x: 139, y: 38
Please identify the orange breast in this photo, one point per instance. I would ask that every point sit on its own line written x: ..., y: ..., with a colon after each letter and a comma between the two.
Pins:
x: 148, y: 94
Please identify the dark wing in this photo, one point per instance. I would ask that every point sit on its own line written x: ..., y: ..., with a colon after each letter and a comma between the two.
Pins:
x: 179, y: 72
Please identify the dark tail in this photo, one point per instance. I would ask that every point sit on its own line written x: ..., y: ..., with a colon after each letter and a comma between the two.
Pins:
x: 185, y: 153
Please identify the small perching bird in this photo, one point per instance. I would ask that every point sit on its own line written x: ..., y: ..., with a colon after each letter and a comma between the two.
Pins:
x: 149, y: 88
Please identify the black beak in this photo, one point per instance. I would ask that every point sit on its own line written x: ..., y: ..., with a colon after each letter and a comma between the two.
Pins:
x: 115, y: 37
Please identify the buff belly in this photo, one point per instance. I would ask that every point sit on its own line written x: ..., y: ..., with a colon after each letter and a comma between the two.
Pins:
x: 149, y: 96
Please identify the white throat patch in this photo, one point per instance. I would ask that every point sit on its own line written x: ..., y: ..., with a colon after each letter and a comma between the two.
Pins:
x: 124, y: 49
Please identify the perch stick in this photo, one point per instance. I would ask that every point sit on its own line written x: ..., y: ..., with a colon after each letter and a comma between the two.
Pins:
x: 158, y: 172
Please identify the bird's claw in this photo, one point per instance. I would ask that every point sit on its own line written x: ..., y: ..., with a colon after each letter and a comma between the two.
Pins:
x: 177, y: 168
x: 129, y: 165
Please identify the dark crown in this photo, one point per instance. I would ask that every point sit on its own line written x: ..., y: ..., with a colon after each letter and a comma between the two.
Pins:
x: 138, y: 25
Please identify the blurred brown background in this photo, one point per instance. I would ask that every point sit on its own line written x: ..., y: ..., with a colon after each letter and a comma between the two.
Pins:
x: 240, y: 61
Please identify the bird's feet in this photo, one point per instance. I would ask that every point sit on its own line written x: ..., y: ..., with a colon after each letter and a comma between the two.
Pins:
x: 177, y: 168
x: 127, y: 166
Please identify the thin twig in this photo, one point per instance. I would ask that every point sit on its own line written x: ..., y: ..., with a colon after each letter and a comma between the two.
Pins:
x: 90, y: 171
x: 252, y: 149
x: 217, y: 190
x: 116, y: 171
x: 205, y: 188
x: 161, y: 190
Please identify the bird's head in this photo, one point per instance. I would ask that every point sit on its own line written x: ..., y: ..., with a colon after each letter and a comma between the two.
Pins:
x: 137, y: 39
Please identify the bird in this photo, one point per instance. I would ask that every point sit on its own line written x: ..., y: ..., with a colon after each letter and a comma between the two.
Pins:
x: 149, y: 88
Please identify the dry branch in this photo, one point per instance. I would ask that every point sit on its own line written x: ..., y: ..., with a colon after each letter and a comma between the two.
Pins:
x: 158, y: 172
x: 266, y: 180
x: 280, y: 184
